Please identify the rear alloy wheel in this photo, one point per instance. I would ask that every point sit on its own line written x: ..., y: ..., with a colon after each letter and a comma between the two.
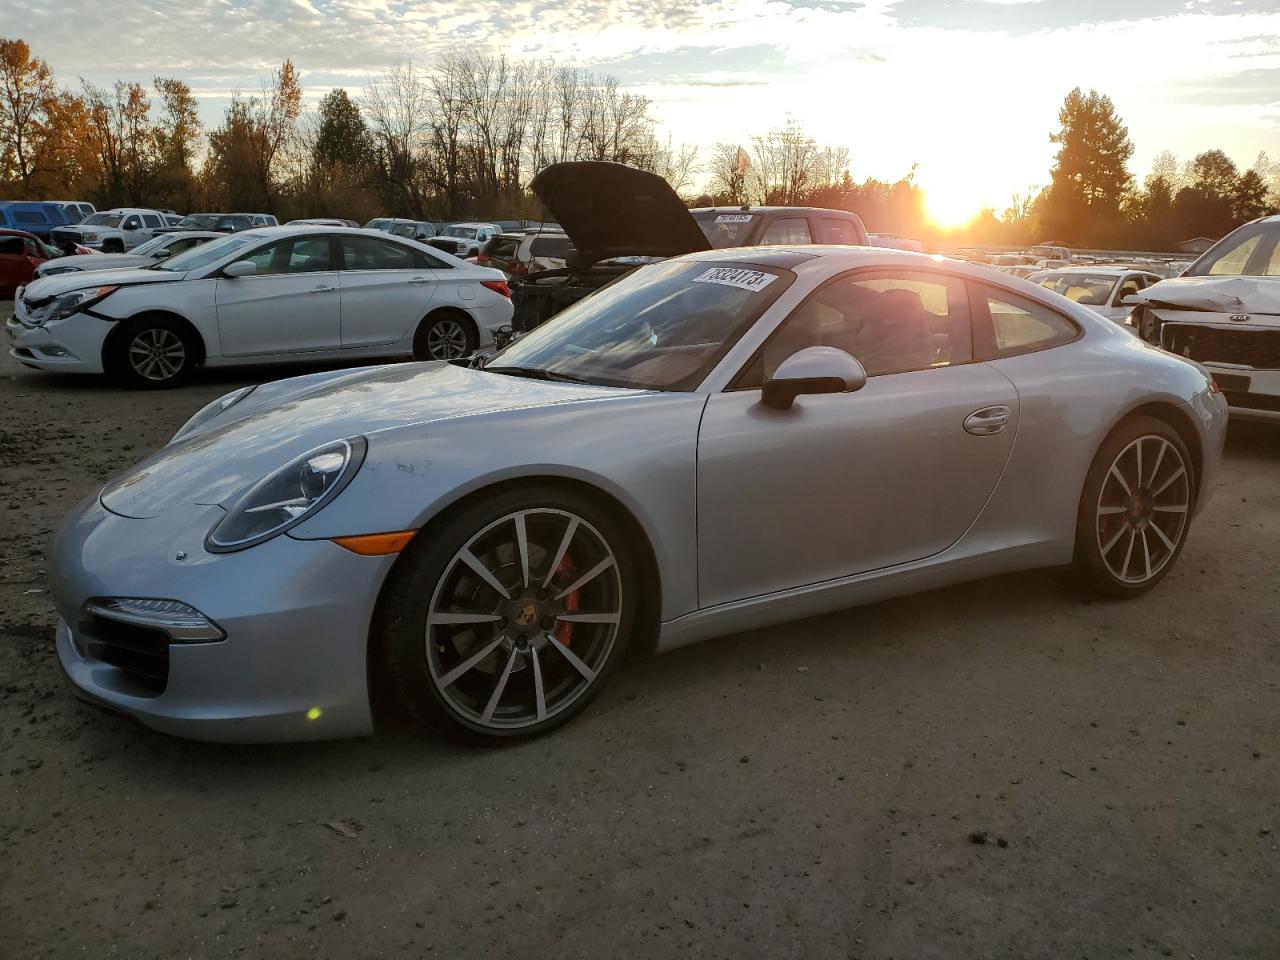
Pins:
x: 510, y: 628
x: 444, y: 338
x: 1136, y: 509
x: 151, y: 355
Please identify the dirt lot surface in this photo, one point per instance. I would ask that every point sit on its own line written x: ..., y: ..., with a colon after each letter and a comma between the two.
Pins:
x: 813, y: 790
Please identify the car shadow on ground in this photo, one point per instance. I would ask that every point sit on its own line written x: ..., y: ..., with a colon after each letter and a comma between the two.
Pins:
x: 1253, y: 440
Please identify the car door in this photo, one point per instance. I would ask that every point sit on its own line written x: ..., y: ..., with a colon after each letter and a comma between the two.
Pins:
x: 386, y: 288
x: 843, y: 484
x: 131, y: 231
x: 1129, y: 284
x: 15, y: 264
x: 291, y: 305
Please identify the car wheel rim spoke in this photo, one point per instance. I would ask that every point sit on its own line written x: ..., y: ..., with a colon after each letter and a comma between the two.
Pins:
x: 446, y: 340
x: 523, y: 618
x: 1144, y: 503
x: 157, y: 354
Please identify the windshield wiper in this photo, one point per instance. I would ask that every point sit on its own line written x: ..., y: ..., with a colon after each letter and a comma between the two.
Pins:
x: 536, y: 373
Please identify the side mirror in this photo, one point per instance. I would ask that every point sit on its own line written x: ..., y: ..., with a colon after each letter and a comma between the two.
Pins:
x: 1130, y: 300
x: 241, y: 268
x: 812, y: 370
x: 162, y: 254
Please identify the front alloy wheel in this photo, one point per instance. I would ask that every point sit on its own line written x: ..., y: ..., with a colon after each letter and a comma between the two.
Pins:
x: 526, y: 610
x: 157, y: 354
x: 150, y: 353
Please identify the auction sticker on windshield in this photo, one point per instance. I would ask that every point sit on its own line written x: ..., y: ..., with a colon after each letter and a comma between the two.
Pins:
x: 734, y: 218
x: 753, y: 280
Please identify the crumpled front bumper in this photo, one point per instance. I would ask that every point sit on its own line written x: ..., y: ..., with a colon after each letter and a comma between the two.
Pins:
x: 295, y: 614
x: 71, y: 345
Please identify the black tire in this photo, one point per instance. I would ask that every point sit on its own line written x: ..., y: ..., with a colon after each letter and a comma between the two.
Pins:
x: 1118, y: 552
x: 531, y: 676
x: 113, y: 246
x: 444, y: 336
x: 151, y: 353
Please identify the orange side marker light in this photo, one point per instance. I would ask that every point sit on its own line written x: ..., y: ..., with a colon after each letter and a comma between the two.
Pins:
x: 376, y: 544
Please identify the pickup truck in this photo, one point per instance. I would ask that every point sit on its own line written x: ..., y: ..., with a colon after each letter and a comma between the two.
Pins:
x: 111, y: 231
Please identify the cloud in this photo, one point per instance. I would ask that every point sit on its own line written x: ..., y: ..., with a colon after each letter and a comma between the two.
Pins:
x: 1031, y: 16
x: 1250, y: 87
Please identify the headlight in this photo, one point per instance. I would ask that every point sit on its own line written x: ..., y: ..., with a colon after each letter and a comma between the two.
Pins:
x: 75, y: 301
x: 211, y: 410
x: 89, y: 236
x: 287, y: 497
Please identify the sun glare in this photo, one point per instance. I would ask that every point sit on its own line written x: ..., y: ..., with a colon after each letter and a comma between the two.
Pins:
x: 950, y: 205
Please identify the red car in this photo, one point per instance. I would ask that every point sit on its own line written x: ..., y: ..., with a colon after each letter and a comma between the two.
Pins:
x: 20, y: 254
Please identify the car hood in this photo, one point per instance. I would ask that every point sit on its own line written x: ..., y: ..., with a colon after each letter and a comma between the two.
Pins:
x: 612, y: 210
x: 1235, y: 295
x: 100, y: 261
x: 61, y: 283
x: 280, y: 421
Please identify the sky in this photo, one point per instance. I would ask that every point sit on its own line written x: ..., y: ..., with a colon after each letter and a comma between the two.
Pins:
x: 967, y: 89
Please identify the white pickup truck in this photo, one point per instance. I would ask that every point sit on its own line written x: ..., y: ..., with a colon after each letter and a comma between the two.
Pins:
x: 111, y: 231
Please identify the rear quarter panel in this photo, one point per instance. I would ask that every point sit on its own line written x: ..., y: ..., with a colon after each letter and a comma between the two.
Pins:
x: 1070, y: 398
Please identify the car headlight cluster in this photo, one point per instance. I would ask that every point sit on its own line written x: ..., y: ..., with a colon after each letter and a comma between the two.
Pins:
x: 75, y: 301
x: 288, y: 496
x: 211, y: 410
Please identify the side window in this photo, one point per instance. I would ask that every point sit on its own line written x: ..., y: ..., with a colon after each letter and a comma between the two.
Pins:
x: 892, y: 323
x: 1019, y: 325
x: 555, y: 247
x: 11, y: 247
x: 427, y: 262
x: 151, y: 220
x: 1131, y: 285
x: 364, y: 253
x: 831, y: 230
x: 299, y: 255
x: 131, y: 223
x: 787, y: 231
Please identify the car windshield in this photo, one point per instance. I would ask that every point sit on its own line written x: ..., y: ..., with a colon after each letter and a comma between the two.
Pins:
x: 725, y: 229
x: 466, y: 233
x: 205, y: 254
x: 661, y: 327
x: 200, y: 221
x: 402, y: 229
x: 103, y: 220
x: 378, y: 223
x: 151, y: 246
x: 1092, y: 290
x: 1251, y: 251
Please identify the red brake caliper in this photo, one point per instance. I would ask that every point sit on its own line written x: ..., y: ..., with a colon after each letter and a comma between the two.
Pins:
x: 564, y: 632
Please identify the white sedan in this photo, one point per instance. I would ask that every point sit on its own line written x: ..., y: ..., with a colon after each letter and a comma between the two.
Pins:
x: 261, y: 296
x: 1110, y: 291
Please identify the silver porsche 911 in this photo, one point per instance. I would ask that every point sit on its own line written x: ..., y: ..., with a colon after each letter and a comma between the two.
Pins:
x: 714, y: 442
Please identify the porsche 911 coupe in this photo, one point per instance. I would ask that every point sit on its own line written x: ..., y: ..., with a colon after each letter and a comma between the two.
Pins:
x: 715, y: 442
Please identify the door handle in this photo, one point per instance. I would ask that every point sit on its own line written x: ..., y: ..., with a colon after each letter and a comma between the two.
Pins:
x: 988, y: 421
x: 420, y: 281
x: 322, y: 289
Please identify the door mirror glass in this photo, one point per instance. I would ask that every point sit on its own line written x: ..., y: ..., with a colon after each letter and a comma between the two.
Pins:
x: 241, y: 268
x: 812, y: 370
x: 162, y: 253
x: 1130, y: 300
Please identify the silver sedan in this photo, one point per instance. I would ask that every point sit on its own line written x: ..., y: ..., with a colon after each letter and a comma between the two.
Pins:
x: 719, y: 441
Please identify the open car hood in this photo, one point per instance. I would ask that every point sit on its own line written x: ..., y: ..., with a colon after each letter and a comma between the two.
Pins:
x: 1217, y: 294
x: 612, y: 210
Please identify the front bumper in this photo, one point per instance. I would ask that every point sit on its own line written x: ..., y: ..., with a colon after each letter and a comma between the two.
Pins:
x: 70, y: 345
x: 295, y: 615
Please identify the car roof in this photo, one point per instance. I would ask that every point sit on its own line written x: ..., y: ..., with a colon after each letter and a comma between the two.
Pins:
x: 1102, y: 270
x: 752, y: 209
x: 18, y: 233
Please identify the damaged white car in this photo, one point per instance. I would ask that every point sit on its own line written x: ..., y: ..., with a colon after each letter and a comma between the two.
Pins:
x: 1224, y: 312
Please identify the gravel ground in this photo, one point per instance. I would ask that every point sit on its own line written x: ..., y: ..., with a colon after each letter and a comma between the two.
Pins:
x: 812, y: 790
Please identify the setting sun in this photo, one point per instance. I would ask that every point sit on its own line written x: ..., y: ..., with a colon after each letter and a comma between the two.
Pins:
x: 950, y: 205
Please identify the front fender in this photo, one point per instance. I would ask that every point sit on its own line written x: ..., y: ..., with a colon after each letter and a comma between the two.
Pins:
x: 642, y: 454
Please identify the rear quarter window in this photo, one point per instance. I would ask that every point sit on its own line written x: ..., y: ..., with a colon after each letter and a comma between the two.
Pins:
x: 556, y: 247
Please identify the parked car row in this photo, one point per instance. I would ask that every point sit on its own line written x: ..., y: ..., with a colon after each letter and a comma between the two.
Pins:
x: 267, y: 295
x: 22, y: 256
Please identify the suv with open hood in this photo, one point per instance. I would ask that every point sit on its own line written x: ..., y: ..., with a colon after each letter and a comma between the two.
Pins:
x: 618, y: 218
x: 1225, y: 313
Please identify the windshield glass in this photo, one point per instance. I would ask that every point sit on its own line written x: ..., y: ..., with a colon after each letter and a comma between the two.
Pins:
x: 378, y: 223
x: 103, y: 220
x: 205, y: 254
x: 1088, y: 289
x: 200, y: 221
x: 403, y: 229
x: 466, y: 233
x: 662, y: 327
x: 726, y: 229
x: 151, y: 246
x: 1252, y: 251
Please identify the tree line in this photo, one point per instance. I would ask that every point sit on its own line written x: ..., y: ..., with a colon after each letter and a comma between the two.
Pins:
x: 463, y: 139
